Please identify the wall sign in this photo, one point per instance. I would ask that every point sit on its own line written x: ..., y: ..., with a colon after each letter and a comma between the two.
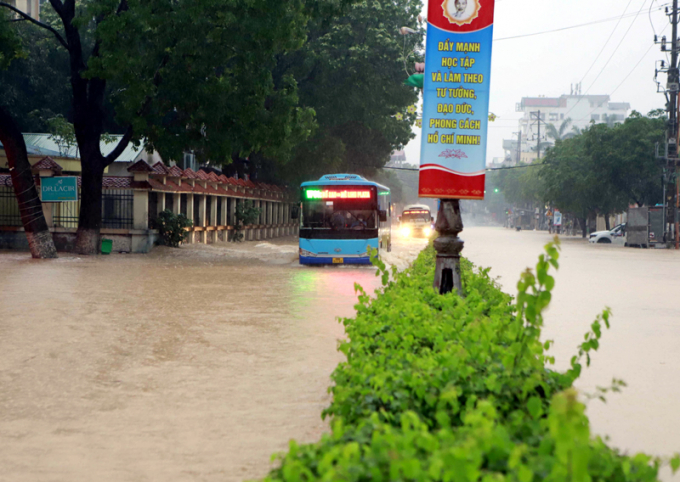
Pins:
x: 58, y: 189
x: 456, y: 98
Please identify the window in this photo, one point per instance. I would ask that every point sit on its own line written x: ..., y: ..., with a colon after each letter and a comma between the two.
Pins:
x: 561, y: 116
x: 553, y: 117
x: 189, y: 161
x: 595, y: 117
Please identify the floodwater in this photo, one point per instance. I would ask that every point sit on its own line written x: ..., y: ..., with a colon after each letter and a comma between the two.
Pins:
x: 196, y: 364
x: 642, y: 287
x: 192, y: 364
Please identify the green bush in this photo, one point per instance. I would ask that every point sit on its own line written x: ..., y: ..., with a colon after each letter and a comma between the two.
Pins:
x: 171, y: 228
x: 246, y: 214
x: 443, y: 388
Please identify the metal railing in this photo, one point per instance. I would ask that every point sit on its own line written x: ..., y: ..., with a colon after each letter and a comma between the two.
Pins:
x: 9, y: 207
x: 117, y: 208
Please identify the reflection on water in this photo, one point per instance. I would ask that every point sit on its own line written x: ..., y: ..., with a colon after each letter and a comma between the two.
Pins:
x: 189, y: 364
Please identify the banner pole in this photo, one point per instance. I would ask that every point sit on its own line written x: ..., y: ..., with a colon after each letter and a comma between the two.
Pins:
x: 448, y: 247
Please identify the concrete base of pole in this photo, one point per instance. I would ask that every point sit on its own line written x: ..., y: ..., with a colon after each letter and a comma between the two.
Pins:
x: 448, y: 247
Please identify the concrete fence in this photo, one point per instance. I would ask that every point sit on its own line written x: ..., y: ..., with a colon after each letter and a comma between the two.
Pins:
x: 130, y: 205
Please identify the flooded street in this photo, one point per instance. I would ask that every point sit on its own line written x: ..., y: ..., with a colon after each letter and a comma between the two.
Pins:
x: 199, y: 363
x: 642, y: 347
x: 186, y: 364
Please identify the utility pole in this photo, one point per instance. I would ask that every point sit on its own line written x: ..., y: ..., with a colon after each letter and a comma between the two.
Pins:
x: 673, y: 87
x: 538, y: 139
x: 519, y: 146
x: 671, y: 201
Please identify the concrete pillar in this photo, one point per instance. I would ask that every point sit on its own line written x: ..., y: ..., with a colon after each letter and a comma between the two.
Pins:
x: 232, y: 211
x: 160, y: 205
x: 140, y: 216
x: 190, y: 215
x: 202, y: 210
x: 223, y: 217
x: 176, y: 203
x: 213, y: 211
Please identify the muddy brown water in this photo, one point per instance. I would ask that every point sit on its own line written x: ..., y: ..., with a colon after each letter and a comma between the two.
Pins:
x: 642, y: 287
x: 190, y: 364
x: 197, y: 364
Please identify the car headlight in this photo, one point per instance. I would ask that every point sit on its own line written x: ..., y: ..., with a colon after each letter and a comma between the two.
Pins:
x: 304, y: 252
x: 427, y: 231
x: 405, y: 231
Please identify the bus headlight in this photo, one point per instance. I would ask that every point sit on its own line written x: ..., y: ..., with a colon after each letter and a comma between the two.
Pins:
x: 304, y: 252
x: 405, y: 231
x: 427, y: 232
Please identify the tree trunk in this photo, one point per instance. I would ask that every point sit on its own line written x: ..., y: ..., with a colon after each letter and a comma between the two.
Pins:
x: 40, y: 240
x: 607, y: 225
x: 584, y: 226
x: 90, y: 218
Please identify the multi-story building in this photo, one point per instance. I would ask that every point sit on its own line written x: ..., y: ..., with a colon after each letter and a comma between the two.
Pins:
x: 30, y: 7
x: 540, y: 111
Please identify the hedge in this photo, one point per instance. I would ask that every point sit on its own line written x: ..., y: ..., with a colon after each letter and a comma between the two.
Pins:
x: 443, y: 388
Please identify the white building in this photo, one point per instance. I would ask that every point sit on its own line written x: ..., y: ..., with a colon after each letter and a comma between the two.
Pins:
x: 580, y: 109
x: 30, y: 7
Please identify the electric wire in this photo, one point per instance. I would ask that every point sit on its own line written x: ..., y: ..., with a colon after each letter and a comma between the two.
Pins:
x: 608, y: 60
x: 594, y: 22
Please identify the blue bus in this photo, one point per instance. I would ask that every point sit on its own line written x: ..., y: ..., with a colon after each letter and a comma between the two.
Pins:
x: 341, y: 216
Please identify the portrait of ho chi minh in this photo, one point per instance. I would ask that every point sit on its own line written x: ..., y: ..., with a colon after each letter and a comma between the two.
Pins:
x: 461, y: 12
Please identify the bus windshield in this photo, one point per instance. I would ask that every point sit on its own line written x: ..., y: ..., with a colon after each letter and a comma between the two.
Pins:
x: 412, y: 216
x: 337, y: 215
x: 339, y: 208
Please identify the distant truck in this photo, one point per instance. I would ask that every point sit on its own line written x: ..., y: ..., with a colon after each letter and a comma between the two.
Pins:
x: 644, y: 227
x: 415, y: 221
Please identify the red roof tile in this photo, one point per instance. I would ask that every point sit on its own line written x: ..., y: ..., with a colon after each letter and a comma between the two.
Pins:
x: 183, y: 188
x: 189, y: 173
x: 140, y: 166
x: 202, y: 175
x: 47, y: 163
x: 159, y: 186
x: 115, y: 182
x: 223, y: 178
x: 214, y: 177
x: 160, y: 168
x: 175, y: 171
x: 6, y: 180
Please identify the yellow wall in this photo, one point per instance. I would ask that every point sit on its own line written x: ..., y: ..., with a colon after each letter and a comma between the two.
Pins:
x: 67, y: 164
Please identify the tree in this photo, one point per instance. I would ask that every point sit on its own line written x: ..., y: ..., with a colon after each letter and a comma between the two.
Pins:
x: 605, y: 168
x: 40, y: 240
x: 557, y: 134
x: 350, y: 71
x: 188, y: 74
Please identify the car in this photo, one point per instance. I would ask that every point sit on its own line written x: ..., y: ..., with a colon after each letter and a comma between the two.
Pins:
x: 617, y: 235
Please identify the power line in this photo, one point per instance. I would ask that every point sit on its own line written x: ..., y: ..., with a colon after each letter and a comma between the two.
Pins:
x: 626, y: 77
x: 609, y: 38
x: 594, y: 22
x: 608, y: 60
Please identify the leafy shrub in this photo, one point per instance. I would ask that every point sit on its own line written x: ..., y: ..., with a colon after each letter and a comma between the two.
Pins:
x: 443, y: 388
x: 246, y: 214
x: 171, y: 228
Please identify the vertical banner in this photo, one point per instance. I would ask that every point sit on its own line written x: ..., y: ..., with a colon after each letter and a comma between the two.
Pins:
x: 456, y: 98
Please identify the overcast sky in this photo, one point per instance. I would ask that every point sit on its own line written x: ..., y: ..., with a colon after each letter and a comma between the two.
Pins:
x: 547, y: 64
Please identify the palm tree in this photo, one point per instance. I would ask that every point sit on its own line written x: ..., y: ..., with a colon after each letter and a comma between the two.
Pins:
x: 561, y: 133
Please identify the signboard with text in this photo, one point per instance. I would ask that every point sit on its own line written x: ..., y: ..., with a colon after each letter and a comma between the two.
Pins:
x: 557, y: 220
x: 456, y: 98
x: 58, y: 189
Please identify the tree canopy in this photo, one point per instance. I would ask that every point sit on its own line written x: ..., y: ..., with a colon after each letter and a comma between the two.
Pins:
x: 602, y: 170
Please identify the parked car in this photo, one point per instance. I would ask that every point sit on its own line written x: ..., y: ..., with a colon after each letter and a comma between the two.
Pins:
x: 616, y: 235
